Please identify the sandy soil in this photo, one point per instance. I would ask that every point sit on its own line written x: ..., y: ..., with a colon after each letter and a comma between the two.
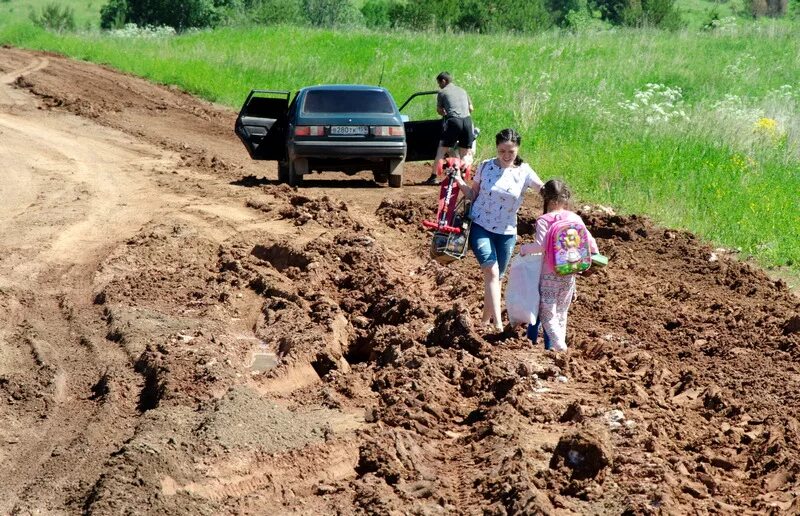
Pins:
x: 179, y: 334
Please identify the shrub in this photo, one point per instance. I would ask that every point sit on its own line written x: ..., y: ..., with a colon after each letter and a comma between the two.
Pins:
x: 180, y: 14
x: 772, y: 8
x: 585, y: 21
x: 560, y: 9
x: 376, y: 14
x: 332, y: 13
x: 273, y: 12
x: 260, y: 12
x: 474, y: 17
x: 638, y: 13
x: 114, y: 14
x: 521, y: 16
x: 54, y: 17
x: 414, y: 15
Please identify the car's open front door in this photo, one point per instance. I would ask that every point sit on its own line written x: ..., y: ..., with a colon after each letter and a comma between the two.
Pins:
x: 422, y: 137
x: 262, y: 124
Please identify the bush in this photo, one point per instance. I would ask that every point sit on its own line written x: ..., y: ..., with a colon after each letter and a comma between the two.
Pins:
x: 560, y: 9
x: 376, y: 14
x: 522, y: 16
x: 475, y: 17
x: 273, y: 12
x: 180, y: 14
x: 639, y: 13
x: 332, y: 13
x: 414, y: 15
x: 261, y: 12
x: 527, y: 16
x: 585, y: 21
x: 54, y: 17
x: 772, y: 8
x: 114, y: 14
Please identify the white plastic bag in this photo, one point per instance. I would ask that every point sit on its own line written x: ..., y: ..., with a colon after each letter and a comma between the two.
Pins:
x: 522, y: 291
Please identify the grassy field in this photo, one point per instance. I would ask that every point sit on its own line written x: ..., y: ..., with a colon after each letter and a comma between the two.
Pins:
x: 699, y: 130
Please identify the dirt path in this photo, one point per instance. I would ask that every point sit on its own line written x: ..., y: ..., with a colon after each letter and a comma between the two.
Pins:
x: 179, y: 334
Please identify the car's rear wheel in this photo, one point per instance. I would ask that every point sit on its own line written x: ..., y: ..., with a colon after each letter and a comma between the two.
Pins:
x: 395, y: 173
x: 297, y: 169
x: 381, y: 176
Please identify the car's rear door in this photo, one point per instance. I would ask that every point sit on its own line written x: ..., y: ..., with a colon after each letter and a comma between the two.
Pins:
x: 422, y: 136
x: 262, y: 124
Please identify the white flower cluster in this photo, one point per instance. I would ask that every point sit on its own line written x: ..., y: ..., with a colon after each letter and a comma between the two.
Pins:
x: 735, y: 107
x: 587, y: 105
x: 744, y: 65
x: 785, y: 92
x: 131, y: 30
x: 656, y: 103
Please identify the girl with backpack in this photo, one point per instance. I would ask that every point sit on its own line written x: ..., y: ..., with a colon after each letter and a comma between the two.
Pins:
x: 567, y: 246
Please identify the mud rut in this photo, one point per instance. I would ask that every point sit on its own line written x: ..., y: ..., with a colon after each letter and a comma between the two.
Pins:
x: 179, y: 334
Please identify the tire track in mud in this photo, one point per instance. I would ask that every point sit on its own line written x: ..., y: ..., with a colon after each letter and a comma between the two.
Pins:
x: 68, y: 203
x: 12, y: 98
x: 266, y: 474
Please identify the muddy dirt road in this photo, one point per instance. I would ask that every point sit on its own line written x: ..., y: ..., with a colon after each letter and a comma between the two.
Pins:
x: 181, y: 335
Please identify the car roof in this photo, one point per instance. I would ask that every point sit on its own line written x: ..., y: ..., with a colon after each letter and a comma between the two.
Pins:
x: 350, y: 87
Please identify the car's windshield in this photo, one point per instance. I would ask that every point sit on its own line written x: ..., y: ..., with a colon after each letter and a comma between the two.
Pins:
x: 347, y: 101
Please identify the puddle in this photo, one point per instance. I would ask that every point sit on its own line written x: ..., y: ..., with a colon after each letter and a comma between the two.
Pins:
x: 263, y: 361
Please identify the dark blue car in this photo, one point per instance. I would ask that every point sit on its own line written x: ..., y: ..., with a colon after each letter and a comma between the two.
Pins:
x: 346, y: 127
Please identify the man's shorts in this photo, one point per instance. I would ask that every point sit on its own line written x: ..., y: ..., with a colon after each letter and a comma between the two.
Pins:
x: 457, y: 130
x: 491, y: 248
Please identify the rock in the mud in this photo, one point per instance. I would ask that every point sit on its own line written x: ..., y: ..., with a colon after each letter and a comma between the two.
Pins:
x: 585, y: 451
x: 574, y: 413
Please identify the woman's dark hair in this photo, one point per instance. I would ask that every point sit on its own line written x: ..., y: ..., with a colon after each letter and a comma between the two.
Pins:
x: 509, y: 136
x: 555, y: 191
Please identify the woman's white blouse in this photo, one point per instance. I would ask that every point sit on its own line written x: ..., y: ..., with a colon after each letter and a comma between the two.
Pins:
x: 500, y: 195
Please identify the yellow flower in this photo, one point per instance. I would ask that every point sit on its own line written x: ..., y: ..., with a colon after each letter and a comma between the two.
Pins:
x: 768, y: 128
x: 767, y: 125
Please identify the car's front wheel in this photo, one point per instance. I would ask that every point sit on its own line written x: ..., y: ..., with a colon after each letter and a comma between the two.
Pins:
x: 396, y: 173
x: 283, y: 172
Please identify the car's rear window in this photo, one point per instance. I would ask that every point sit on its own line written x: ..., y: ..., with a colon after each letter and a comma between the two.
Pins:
x: 347, y: 101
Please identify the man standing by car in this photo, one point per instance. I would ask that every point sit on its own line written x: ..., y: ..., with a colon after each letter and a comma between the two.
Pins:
x: 454, y: 104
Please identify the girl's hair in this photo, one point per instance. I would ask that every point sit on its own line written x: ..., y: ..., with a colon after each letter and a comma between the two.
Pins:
x: 555, y: 191
x: 509, y: 136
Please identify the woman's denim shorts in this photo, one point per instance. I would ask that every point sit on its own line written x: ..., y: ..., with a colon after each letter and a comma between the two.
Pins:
x: 490, y: 248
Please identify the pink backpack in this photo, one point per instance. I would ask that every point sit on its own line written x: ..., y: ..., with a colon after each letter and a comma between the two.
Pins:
x: 567, y: 247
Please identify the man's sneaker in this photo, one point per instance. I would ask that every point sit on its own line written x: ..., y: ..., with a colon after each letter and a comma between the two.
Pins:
x: 432, y: 181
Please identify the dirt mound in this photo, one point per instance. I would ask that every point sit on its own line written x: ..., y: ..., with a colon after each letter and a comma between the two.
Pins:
x: 239, y: 346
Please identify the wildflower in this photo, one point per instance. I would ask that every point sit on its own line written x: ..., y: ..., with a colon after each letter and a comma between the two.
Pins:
x: 769, y: 129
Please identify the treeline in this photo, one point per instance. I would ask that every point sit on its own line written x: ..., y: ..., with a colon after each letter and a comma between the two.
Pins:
x: 482, y: 16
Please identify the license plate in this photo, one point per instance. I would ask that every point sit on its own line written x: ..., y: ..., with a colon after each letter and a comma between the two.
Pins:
x: 346, y: 130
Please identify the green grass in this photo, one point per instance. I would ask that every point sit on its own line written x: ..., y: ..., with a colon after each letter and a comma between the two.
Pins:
x: 715, y: 170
